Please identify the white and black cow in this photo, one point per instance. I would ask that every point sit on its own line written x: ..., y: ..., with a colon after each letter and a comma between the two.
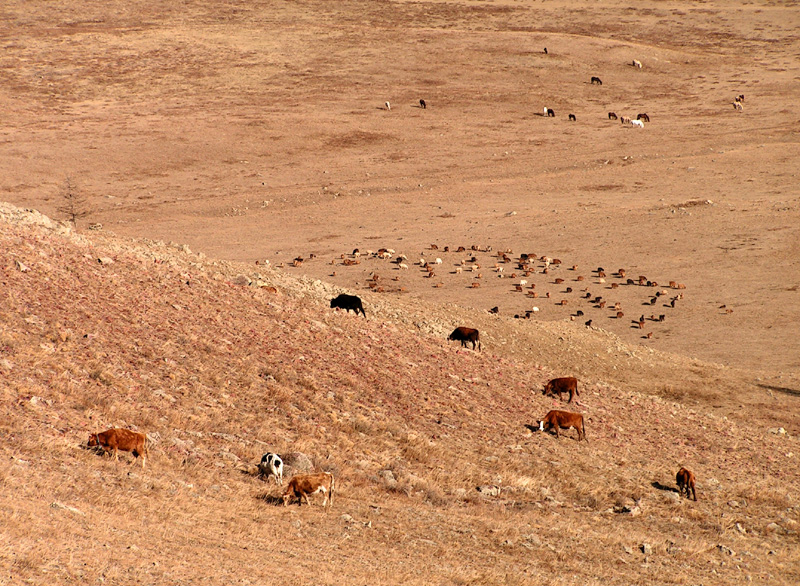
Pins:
x: 271, y: 465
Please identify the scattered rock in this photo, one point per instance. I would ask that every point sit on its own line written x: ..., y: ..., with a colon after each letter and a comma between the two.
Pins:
x: 489, y: 490
x: 62, y: 506
x: 633, y: 511
x: 105, y: 260
x: 725, y: 549
x: 740, y: 528
x: 297, y: 461
x: 387, y: 476
x: 646, y: 549
x: 242, y: 280
x: 21, y: 266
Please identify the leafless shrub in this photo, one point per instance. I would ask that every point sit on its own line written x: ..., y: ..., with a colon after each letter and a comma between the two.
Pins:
x: 75, y: 205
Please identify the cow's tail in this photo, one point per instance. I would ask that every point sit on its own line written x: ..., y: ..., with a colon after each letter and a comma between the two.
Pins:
x: 333, y: 486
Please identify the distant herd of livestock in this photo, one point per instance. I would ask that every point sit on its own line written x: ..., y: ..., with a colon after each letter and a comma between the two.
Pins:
x: 636, y: 123
x: 301, y: 486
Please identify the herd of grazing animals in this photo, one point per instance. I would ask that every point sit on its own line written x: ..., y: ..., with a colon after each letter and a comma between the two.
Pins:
x: 301, y: 486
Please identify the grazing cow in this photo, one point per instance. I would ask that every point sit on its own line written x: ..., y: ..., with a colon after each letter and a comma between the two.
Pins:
x: 636, y: 63
x: 271, y: 465
x: 423, y: 105
x: 545, y: 51
x: 121, y: 439
x: 612, y: 116
x: 303, y: 485
x: 387, y: 105
x: 738, y: 106
x: 625, y: 120
x: 572, y: 117
x: 637, y: 123
x: 643, y: 116
x: 597, y: 80
x: 348, y: 303
x: 465, y: 335
x: 563, y: 420
x: 551, y: 113
x: 685, y: 480
x: 567, y: 384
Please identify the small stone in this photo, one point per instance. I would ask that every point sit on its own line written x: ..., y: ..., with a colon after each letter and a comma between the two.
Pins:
x: 646, y: 548
x: 105, y: 260
x: 725, y: 549
x: 347, y: 518
x: 489, y: 490
x: 628, y: 550
x: 740, y: 528
x: 387, y: 476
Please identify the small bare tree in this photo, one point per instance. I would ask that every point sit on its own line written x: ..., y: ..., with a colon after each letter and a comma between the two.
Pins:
x: 75, y: 205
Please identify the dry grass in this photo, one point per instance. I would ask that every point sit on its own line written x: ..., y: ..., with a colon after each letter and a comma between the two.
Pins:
x: 236, y: 373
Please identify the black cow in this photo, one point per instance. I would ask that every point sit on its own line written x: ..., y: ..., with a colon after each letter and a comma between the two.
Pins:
x: 572, y: 117
x: 465, y: 335
x: 597, y: 80
x: 422, y: 104
x: 348, y: 302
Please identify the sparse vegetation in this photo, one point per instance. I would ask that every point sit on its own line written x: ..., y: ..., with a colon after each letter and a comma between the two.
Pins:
x: 442, y: 428
x: 74, y: 205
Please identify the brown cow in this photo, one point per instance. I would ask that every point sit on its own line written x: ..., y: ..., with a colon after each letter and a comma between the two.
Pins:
x: 121, y: 439
x: 685, y: 480
x: 567, y: 384
x: 303, y: 485
x: 564, y: 420
x: 465, y: 335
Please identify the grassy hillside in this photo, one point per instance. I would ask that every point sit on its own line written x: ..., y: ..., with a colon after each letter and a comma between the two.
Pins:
x: 97, y: 331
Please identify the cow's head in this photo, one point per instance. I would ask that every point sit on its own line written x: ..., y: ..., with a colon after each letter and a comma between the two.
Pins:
x: 93, y: 440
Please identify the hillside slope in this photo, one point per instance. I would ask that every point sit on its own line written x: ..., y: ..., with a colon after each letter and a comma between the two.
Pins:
x: 98, y: 331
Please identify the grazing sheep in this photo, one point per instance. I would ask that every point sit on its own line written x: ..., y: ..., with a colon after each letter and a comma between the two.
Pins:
x: 612, y: 116
x: 387, y: 105
x: 597, y: 80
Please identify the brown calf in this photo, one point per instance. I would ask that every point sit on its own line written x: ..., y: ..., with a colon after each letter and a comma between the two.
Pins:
x: 303, y: 485
x: 121, y: 439
x: 568, y: 384
x: 685, y: 480
x: 563, y: 420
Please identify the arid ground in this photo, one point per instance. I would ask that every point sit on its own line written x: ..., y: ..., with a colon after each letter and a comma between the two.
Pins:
x: 258, y: 131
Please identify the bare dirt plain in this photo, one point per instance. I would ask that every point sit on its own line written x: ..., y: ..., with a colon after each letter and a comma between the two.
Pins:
x: 256, y: 130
